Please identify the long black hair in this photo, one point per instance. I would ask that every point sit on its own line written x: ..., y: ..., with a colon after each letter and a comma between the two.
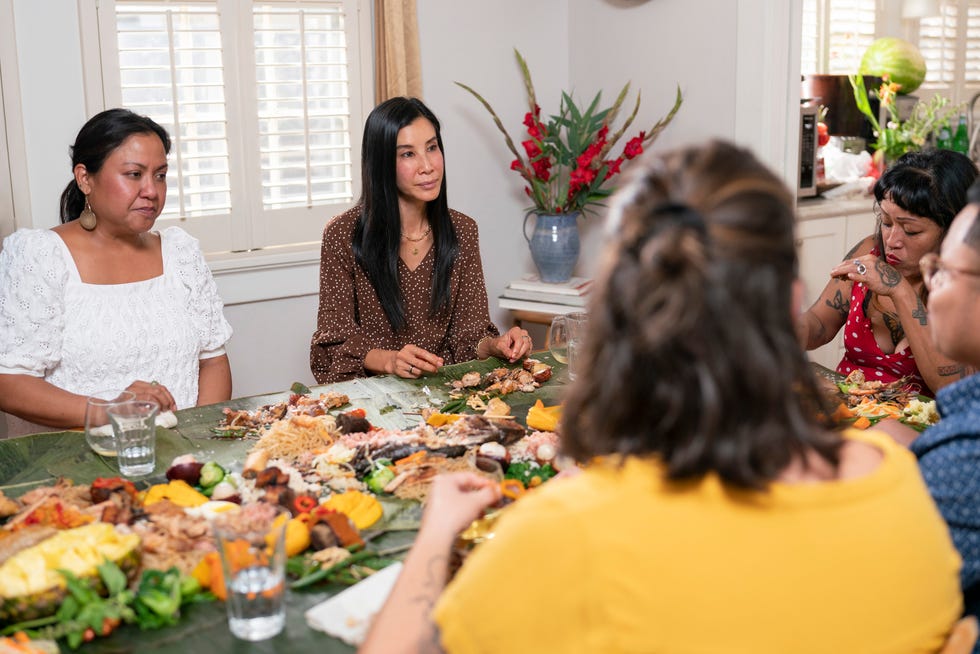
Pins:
x: 98, y: 138
x: 691, y: 339
x: 929, y: 183
x: 377, y: 235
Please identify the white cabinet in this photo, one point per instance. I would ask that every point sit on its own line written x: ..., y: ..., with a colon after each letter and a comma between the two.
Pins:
x: 826, y: 232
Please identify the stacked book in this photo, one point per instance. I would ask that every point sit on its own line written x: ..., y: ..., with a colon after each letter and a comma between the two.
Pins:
x: 531, y: 294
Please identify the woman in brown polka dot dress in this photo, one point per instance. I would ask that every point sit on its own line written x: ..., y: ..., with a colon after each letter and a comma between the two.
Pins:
x: 401, y: 280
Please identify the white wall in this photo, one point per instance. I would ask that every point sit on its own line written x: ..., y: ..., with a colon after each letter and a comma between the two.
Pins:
x: 711, y: 47
x: 51, y: 92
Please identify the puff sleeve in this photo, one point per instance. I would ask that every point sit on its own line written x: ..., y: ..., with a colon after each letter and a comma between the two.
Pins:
x: 204, y: 304
x: 33, y: 276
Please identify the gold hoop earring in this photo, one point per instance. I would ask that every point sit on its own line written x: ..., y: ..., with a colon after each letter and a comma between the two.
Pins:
x: 87, y: 218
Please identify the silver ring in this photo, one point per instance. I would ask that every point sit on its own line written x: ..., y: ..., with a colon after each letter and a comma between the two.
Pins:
x: 862, y: 269
x: 411, y: 370
x: 525, y: 336
x: 856, y: 262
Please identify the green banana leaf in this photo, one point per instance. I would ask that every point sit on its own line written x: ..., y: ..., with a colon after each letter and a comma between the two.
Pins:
x: 389, y: 402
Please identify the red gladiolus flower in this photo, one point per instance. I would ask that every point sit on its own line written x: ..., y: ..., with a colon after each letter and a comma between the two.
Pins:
x: 534, y: 132
x: 634, y: 147
x: 542, y: 169
x: 613, y: 167
x: 516, y: 165
x: 585, y: 159
x: 532, y: 149
x: 527, y: 190
x: 582, y: 176
x: 528, y: 120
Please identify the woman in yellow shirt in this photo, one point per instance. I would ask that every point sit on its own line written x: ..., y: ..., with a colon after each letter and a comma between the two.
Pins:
x: 727, y: 514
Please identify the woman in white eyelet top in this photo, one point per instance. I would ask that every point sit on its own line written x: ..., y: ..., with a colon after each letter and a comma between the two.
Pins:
x: 103, y: 301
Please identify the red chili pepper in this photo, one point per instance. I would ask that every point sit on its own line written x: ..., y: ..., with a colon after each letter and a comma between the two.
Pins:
x: 304, y: 504
x: 114, y: 482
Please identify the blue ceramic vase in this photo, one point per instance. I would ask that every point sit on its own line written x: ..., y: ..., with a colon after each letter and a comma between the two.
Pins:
x: 554, y: 244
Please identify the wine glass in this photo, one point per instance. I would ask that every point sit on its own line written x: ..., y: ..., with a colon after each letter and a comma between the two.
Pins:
x: 98, y: 427
x: 567, y: 335
x: 558, y: 339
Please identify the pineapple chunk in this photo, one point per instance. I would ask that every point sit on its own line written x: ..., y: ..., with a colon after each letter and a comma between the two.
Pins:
x: 30, y: 585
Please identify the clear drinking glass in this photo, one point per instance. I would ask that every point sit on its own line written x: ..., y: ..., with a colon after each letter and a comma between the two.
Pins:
x: 252, y: 546
x: 566, y: 336
x: 98, y: 428
x: 134, y: 424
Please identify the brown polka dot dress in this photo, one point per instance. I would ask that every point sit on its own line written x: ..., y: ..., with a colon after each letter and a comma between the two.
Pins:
x: 351, y: 321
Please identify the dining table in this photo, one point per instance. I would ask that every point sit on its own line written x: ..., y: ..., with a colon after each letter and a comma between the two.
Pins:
x: 389, y: 402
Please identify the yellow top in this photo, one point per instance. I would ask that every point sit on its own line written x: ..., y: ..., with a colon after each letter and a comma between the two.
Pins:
x: 618, y: 560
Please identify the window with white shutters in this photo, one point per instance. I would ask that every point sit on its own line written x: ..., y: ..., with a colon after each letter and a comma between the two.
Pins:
x: 261, y: 99
x: 836, y: 33
x: 950, y: 44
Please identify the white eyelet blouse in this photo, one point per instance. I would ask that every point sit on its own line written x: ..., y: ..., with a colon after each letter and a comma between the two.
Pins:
x: 88, y: 337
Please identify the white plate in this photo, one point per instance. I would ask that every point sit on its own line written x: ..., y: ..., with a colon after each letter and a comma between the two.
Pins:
x: 348, y: 614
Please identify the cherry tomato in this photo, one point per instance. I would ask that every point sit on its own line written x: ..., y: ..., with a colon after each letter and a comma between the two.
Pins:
x: 823, y: 134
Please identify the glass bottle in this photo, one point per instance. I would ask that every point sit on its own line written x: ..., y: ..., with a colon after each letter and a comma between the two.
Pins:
x: 961, y: 139
x: 944, y: 139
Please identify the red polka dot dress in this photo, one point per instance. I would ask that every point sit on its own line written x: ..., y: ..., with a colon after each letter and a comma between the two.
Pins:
x: 861, y: 350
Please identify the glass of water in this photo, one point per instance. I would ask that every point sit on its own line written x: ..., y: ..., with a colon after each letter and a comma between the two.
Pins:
x: 566, y: 337
x: 252, y: 546
x: 98, y: 428
x: 134, y: 424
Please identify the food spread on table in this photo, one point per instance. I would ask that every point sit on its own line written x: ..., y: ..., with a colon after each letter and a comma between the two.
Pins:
x: 79, y: 560
x: 864, y: 402
x: 474, y: 390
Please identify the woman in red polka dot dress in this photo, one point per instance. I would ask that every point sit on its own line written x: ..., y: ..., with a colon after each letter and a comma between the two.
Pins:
x: 876, y: 294
x: 401, y: 280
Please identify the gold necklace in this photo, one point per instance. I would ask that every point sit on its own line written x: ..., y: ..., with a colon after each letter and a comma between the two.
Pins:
x: 415, y: 250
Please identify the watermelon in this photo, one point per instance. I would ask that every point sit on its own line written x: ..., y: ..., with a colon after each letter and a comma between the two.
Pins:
x: 900, y: 60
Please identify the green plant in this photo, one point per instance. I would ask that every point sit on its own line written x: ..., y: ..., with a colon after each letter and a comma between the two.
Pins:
x: 566, y: 161
x: 897, y: 137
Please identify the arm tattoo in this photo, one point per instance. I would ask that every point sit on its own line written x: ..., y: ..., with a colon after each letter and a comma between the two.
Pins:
x: 955, y: 370
x: 838, y: 304
x: 889, y: 276
x: 821, y: 329
x: 894, y: 327
x: 919, y: 313
x: 428, y: 593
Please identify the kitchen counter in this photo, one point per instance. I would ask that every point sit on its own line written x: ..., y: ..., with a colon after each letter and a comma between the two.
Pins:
x: 820, y: 207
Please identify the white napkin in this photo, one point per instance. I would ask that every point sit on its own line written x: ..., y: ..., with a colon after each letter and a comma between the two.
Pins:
x: 166, y: 419
x: 348, y: 615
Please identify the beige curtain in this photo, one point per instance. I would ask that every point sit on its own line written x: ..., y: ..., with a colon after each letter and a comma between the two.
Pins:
x: 397, y: 65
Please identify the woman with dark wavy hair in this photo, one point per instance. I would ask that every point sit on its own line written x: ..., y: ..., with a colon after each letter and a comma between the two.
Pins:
x: 718, y: 510
x: 401, y: 280
x: 877, y: 289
